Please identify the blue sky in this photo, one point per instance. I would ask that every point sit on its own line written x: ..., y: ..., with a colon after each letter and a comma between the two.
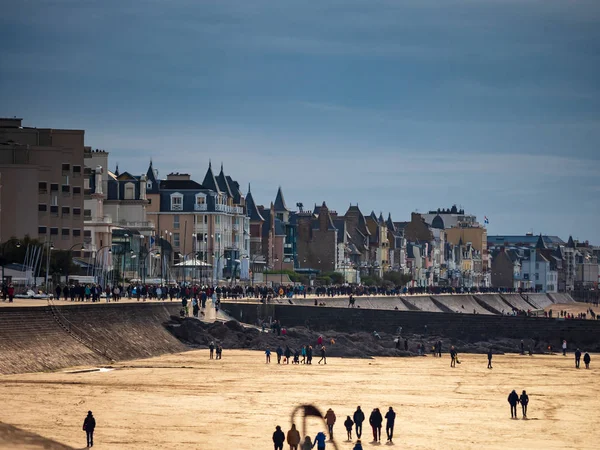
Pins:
x: 395, y: 105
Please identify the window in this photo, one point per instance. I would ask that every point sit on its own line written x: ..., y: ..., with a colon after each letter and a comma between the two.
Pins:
x: 43, y: 187
x: 77, y: 170
x: 537, y: 276
x: 176, y: 222
x: 200, y: 199
x: 66, y: 188
x: 129, y: 191
x: 537, y: 266
x: 76, y: 190
x: 149, y: 185
x: 87, y: 233
x: 177, y: 202
x: 54, y: 209
x: 53, y: 231
x: 76, y: 212
x: 176, y: 240
x: 55, y: 200
x: 76, y: 233
x: 66, y: 210
x: 87, y: 170
x: 87, y: 213
x: 205, y: 220
x: 66, y: 232
x: 42, y: 207
x: 54, y: 187
x: 66, y: 167
x: 217, y: 220
x: 42, y: 230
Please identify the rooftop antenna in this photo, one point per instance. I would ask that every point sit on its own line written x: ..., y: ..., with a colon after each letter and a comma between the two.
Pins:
x: 300, y: 206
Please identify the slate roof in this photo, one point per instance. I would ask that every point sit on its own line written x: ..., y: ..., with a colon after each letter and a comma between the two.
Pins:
x: 390, y: 223
x: 180, y: 185
x: 523, y: 240
x: 437, y: 222
x: 150, y: 177
x: 251, y: 209
x: 223, y: 184
x: 280, y: 201
x: 540, y: 245
x: 210, y: 182
x: 235, y: 190
x: 571, y: 243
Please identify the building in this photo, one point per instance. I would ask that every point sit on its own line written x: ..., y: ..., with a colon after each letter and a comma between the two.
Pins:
x: 474, y: 235
x: 449, y: 218
x: 379, y: 247
x: 538, y: 273
x: 317, y: 239
x: 42, y: 179
x: 527, y: 240
x: 206, y: 220
x: 506, y: 269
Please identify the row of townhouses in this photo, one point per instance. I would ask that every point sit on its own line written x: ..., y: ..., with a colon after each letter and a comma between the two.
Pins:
x: 148, y: 226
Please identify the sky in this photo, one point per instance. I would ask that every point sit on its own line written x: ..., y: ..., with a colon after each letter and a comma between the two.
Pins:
x: 394, y: 105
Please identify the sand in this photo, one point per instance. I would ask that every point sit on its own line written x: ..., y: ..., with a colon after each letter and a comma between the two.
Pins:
x: 185, y: 401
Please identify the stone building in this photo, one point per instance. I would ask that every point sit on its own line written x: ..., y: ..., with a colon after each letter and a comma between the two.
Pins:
x: 317, y: 239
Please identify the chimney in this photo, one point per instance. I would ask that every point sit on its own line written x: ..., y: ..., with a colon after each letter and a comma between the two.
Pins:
x: 143, y: 187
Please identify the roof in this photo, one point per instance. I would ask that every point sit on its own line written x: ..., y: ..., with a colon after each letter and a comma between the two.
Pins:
x: 540, y: 245
x: 210, y: 182
x: 528, y: 240
x: 571, y: 243
x: 390, y: 223
x: 400, y: 225
x: 235, y: 190
x: 251, y: 208
x: 223, y: 183
x: 180, y: 185
x: 437, y: 222
x: 280, y: 201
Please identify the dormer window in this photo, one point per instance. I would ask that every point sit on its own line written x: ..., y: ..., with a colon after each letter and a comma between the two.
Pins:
x: 176, y: 202
x: 149, y: 185
x: 200, y: 199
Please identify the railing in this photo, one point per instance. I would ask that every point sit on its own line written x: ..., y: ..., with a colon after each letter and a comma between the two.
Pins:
x: 200, y: 207
x: 222, y: 208
x: 229, y: 209
x: 138, y: 224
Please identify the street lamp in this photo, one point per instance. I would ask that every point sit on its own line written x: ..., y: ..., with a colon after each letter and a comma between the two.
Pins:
x: 3, y: 247
x: 109, y: 247
x: 50, y: 248
x: 82, y: 248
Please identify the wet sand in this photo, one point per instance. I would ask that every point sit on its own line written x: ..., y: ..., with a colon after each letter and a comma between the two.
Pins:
x: 185, y: 401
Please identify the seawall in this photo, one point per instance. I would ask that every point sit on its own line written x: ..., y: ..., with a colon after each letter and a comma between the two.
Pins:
x: 466, y: 327
x: 34, y: 339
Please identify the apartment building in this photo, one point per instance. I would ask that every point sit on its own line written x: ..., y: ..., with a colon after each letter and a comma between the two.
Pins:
x: 42, y: 178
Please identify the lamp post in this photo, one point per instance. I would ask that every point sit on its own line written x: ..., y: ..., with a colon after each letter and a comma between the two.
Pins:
x: 50, y: 248
x: 82, y: 247
x: 3, y: 247
x: 142, y: 261
x: 184, y: 263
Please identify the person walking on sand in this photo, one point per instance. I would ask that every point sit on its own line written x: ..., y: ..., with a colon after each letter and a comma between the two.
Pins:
x: 278, y: 438
x: 287, y: 354
x: 279, y: 352
x: 307, y: 444
x: 586, y: 360
x: 320, y: 439
x: 89, y: 424
x: 330, y: 419
x: 211, y: 347
x: 323, y: 356
x: 359, y: 418
x: 490, y: 358
x: 376, y: 420
x: 293, y: 437
x: 348, y: 423
x: 513, y: 399
x: 577, y: 358
x: 524, y: 399
x: 564, y: 347
x: 390, y: 417
x: 452, y: 357
x: 268, y: 355
x: 303, y: 353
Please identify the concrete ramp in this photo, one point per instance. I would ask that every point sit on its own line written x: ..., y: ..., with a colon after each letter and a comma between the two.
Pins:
x: 46, y: 338
x: 561, y: 297
x: 495, y: 302
x: 464, y: 304
x: 423, y: 303
x: 540, y: 301
x: 516, y: 301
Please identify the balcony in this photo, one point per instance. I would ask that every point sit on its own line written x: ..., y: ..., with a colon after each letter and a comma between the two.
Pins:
x: 201, y: 207
x: 221, y: 208
x: 137, y: 225
x: 229, y: 209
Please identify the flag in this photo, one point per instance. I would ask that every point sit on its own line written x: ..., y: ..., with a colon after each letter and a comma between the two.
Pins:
x: 486, y: 220
x: 151, y: 241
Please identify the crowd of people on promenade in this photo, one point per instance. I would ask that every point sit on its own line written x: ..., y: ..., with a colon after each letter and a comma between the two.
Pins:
x: 354, y: 422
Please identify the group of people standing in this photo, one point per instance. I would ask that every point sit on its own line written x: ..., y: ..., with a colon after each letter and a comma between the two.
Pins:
x: 287, y: 355
x: 514, y: 400
x: 375, y: 420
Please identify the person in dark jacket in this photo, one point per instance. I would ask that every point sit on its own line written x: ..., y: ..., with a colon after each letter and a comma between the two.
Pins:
x: 586, y: 360
x: 376, y: 419
x: 452, y: 357
x: 323, y: 356
x: 211, y: 347
x: 279, y: 352
x: 524, y: 399
x: 577, y: 358
x: 489, y: 359
x: 89, y: 424
x: 513, y: 399
x: 278, y: 438
x: 390, y: 417
x: 288, y: 354
x: 348, y: 423
x: 359, y: 418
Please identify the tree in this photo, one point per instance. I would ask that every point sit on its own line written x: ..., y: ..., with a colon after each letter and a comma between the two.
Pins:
x: 397, y: 278
x: 336, y: 277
